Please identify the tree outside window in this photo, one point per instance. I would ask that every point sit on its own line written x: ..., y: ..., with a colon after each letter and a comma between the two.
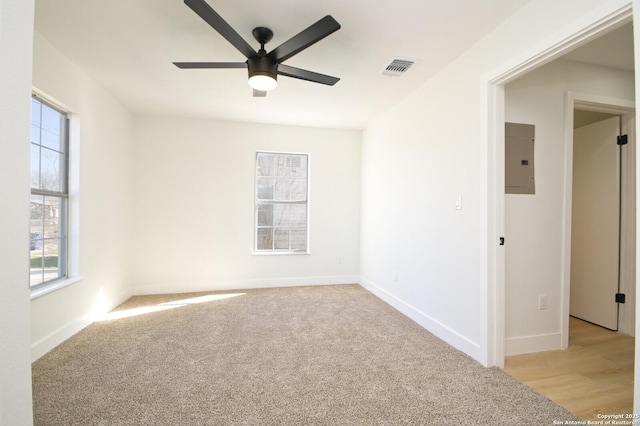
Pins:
x: 281, y: 202
x: 49, y: 193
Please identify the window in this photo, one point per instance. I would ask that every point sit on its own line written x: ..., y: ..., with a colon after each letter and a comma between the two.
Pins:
x: 281, y: 203
x: 49, y: 194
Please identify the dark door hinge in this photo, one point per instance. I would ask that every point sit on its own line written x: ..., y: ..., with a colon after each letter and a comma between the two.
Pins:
x: 620, y: 298
x: 623, y: 140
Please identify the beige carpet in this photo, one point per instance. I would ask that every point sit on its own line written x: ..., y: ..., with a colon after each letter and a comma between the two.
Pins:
x: 331, y: 355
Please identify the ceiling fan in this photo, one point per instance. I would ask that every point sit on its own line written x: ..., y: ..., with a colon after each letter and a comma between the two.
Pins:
x: 264, y: 67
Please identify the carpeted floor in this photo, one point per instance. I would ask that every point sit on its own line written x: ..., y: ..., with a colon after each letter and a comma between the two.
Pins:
x: 330, y: 355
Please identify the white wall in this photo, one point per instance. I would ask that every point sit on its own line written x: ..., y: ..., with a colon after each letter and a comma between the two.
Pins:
x: 195, y: 211
x: 534, y: 222
x: 422, y: 154
x: 417, y: 159
x: 105, y: 203
x: 16, y: 34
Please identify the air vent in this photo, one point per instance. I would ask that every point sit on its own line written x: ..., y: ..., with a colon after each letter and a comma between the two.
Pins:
x: 398, y: 66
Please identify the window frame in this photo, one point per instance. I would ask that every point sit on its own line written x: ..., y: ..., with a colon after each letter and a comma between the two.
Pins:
x: 260, y: 202
x: 62, y: 195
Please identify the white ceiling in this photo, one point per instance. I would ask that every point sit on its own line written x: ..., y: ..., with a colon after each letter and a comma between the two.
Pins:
x: 129, y: 46
x: 614, y: 50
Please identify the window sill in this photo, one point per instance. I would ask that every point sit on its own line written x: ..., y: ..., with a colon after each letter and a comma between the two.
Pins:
x: 56, y: 285
x: 281, y: 253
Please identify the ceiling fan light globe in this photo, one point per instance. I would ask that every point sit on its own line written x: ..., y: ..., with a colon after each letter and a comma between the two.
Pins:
x: 263, y: 82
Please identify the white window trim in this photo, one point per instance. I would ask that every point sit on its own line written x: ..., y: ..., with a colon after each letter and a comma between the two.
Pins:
x: 256, y: 252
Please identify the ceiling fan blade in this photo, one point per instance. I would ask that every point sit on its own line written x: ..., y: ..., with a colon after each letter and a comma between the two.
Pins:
x: 315, y: 77
x: 196, y: 65
x: 259, y: 93
x: 304, y: 39
x: 212, y: 18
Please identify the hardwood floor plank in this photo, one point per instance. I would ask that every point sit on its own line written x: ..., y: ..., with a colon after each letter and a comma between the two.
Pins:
x: 593, y: 376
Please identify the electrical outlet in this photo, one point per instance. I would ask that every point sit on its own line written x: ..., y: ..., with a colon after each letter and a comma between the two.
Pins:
x: 395, y: 276
x: 542, y: 302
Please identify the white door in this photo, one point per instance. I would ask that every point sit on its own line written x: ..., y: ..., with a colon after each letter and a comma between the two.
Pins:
x: 595, y: 223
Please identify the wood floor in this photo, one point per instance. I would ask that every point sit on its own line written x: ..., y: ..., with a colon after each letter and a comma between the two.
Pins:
x: 593, y: 376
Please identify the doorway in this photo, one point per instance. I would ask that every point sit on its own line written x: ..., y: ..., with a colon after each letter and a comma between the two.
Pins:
x: 536, y: 309
x: 576, y: 34
x: 603, y: 192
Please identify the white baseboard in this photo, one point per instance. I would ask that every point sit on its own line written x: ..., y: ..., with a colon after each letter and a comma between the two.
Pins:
x: 193, y: 287
x: 49, y: 342
x: 530, y: 344
x: 44, y: 345
x: 435, y: 327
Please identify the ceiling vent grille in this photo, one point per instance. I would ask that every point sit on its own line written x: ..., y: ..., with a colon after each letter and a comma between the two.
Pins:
x: 398, y: 66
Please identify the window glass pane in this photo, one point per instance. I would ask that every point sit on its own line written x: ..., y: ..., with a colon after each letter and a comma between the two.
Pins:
x: 299, y: 190
x: 36, y: 272
x: 35, y: 166
x: 265, y: 215
x: 51, y: 260
x: 36, y: 240
x: 36, y: 223
x: 290, y: 215
x: 298, y: 215
x: 264, y: 164
x: 291, y: 165
x: 51, y: 119
x: 48, y: 240
x: 37, y: 202
x: 51, y: 171
x: 52, y: 215
x: 298, y: 166
x: 280, y: 215
x: 35, y: 134
x: 48, y: 220
x: 282, y: 188
x: 265, y: 188
x: 281, y: 239
x: 51, y: 140
x: 281, y: 165
x: 298, y: 239
x: 52, y: 129
x: 265, y: 239
x: 35, y: 112
x: 281, y: 179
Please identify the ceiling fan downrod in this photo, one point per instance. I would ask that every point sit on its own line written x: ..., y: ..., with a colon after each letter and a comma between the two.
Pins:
x: 263, y: 35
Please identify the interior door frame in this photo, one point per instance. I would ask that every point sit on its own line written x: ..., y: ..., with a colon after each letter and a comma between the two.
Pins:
x: 587, y: 102
x: 493, y: 103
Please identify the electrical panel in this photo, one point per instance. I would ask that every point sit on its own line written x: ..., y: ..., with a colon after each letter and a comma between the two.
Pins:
x: 519, y: 158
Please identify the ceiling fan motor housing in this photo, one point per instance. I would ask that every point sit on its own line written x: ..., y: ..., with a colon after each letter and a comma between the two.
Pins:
x: 262, y: 65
